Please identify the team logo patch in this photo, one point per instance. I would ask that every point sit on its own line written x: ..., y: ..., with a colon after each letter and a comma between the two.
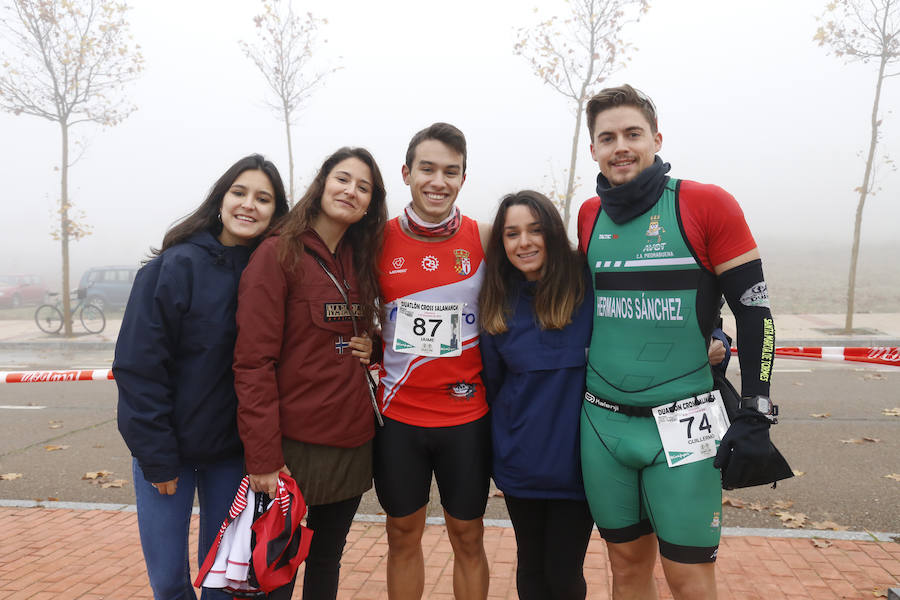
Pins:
x: 463, y: 265
x: 757, y: 295
x: 654, y: 230
x: 716, y: 521
x: 341, y: 345
x: 337, y: 311
x: 677, y: 457
x: 397, y: 265
x: 403, y: 345
x: 462, y: 390
x: 430, y: 263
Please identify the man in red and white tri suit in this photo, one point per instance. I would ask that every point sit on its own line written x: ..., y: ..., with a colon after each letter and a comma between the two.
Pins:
x: 430, y: 392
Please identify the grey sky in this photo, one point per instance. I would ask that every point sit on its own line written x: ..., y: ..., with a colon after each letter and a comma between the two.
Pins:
x: 746, y: 101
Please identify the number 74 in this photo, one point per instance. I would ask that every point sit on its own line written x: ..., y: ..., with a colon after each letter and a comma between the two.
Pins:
x: 704, y: 424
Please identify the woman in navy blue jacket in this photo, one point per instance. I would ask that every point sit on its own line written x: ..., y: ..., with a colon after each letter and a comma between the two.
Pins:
x: 177, y: 407
x: 537, y: 326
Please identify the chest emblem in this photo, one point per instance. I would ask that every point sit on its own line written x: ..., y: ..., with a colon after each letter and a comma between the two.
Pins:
x: 430, y: 263
x: 337, y: 311
x: 463, y: 265
x: 655, y: 230
x: 341, y: 344
x: 397, y: 265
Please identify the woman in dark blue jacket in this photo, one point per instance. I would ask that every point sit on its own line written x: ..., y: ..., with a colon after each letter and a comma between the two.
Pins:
x: 177, y: 406
x: 537, y: 326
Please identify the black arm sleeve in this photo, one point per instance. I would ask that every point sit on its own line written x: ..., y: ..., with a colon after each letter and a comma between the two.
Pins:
x: 745, y: 291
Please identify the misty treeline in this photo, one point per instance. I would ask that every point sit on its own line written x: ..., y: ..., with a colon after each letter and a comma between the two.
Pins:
x: 866, y: 31
x: 67, y: 61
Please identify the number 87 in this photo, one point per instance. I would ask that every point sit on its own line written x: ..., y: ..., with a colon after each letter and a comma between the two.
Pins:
x: 419, y: 326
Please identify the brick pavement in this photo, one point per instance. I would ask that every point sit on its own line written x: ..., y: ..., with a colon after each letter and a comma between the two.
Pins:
x: 64, y: 554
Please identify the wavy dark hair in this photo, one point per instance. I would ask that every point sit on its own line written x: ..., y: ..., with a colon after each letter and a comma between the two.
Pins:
x: 561, y: 286
x: 365, y: 236
x: 623, y: 95
x: 206, y: 216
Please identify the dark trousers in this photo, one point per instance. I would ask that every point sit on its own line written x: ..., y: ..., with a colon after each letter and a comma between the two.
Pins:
x: 330, y: 524
x: 552, y: 538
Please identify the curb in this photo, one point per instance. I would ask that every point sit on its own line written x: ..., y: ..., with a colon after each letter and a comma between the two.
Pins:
x: 862, y: 536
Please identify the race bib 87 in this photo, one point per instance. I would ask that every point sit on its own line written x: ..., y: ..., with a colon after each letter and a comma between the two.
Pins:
x: 428, y: 328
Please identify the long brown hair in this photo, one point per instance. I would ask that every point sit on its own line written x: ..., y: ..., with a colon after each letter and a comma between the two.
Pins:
x: 206, y: 216
x: 560, y: 288
x: 365, y: 236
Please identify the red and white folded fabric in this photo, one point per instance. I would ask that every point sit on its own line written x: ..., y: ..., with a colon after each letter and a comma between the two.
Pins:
x: 281, y: 543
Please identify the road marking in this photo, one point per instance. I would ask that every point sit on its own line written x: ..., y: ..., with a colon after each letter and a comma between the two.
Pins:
x: 11, y: 407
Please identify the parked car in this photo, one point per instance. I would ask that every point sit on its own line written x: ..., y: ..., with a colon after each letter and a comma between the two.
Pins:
x: 107, y: 287
x: 16, y: 290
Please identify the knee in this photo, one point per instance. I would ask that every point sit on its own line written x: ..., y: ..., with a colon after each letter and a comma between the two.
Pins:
x: 404, y: 534
x: 691, y: 580
x: 630, y: 561
x: 466, y: 537
x: 172, y: 589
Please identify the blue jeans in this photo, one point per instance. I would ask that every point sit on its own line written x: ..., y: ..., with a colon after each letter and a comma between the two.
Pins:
x: 164, y: 523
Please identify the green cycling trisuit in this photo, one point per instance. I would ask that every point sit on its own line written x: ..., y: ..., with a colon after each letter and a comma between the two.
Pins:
x: 655, y: 301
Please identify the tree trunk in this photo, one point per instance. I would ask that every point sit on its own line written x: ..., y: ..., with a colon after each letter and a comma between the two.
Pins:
x: 64, y: 228
x: 573, y: 159
x: 570, y: 186
x: 287, y: 127
x: 863, y: 193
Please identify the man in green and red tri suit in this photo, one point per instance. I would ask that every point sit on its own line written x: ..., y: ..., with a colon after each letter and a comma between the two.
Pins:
x: 661, y: 252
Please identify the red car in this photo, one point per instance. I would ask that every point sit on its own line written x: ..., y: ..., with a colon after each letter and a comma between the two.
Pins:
x: 16, y: 290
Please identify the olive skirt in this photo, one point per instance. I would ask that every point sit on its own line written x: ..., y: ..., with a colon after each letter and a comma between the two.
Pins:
x: 327, y: 474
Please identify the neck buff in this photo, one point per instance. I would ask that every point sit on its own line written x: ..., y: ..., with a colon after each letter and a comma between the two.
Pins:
x: 624, y: 202
x: 418, y: 226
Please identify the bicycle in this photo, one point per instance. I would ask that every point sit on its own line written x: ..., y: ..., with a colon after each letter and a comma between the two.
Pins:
x: 49, y: 317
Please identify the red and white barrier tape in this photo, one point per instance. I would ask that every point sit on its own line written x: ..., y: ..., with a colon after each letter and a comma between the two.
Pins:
x: 45, y: 376
x: 879, y: 355
x: 68, y: 375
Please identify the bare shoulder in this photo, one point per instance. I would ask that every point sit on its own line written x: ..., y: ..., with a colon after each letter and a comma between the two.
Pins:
x: 484, y: 232
x: 737, y: 261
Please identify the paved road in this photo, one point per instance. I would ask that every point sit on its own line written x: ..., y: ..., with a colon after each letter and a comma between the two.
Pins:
x: 842, y: 482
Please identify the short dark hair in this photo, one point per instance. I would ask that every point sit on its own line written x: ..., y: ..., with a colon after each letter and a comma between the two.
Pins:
x: 206, y: 216
x: 623, y: 95
x: 561, y: 287
x: 443, y: 132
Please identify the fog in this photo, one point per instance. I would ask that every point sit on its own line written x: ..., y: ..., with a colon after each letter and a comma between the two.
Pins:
x: 746, y: 100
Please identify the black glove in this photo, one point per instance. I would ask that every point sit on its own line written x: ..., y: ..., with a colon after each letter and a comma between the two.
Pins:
x: 747, y: 456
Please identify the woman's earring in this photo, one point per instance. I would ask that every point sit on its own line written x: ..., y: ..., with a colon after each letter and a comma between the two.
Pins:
x: 220, y: 216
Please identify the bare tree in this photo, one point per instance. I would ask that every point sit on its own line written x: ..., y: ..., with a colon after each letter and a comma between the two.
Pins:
x: 70, y: 60
x: 863, y: 30
x: 577, y: 53
x: 283, y: 53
